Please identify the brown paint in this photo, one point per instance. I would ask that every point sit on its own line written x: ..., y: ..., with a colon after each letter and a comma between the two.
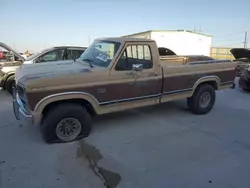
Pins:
x: 126, y: 90
x: 113, y: 91
x: 187, y: 81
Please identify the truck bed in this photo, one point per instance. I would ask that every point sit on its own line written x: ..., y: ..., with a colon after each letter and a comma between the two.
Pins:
x: 185, y: 76
x: 183, y: 60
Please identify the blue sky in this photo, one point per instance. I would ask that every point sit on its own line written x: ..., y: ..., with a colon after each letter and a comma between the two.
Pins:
x: 36, y: 24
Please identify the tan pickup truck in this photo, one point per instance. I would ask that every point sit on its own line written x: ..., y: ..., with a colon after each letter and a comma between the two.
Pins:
x: 113, y: 74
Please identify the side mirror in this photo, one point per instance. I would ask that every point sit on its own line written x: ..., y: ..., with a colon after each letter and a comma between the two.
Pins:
x: 137, y: 67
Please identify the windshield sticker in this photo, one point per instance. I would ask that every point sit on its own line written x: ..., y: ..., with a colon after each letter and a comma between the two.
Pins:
x: 102, y: 57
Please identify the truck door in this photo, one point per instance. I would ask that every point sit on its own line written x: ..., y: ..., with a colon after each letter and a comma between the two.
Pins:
x: 138, y: 77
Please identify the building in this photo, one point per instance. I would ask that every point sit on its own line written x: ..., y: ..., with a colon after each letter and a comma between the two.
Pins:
x: 182, y: 42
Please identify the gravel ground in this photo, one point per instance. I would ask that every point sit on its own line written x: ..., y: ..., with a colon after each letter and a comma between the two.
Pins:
x: 161, y: 146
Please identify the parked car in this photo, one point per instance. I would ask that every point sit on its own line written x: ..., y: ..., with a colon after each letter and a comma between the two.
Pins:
x: 244, y: 81
x: 165, y: 51
x: 8, y: 67
x: 113, y: 74
x: 242, y: 56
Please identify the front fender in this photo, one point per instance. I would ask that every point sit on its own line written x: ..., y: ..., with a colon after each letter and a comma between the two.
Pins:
x: 66, y: 96
x: 4, y: 78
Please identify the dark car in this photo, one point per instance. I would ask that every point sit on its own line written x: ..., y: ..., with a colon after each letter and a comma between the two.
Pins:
x: 244, y: 81
x: 9, y: 65
x: 242, y: 56
x: 165, y: 51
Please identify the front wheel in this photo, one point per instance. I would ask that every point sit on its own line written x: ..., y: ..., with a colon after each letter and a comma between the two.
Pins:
x: 9, y: 84
x: 66, y: 122
x: 202, y: 100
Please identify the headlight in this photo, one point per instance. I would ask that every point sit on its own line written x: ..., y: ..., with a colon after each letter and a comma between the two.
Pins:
x: 21, y: 90
x: 22, y: 95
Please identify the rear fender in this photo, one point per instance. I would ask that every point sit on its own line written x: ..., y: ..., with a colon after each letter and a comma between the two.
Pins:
x: 214, y: 79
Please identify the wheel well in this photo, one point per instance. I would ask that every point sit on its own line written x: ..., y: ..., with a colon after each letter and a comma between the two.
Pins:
x: 82, y: 102
x: 4, y: 85
x: 212, y: 83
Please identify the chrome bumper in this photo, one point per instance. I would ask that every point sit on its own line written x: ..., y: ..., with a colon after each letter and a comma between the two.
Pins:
x: 20, y: 112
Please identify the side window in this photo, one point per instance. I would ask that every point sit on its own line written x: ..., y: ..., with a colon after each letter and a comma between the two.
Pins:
x: 77, y: 53
x: 129, y: 51
x: 54, y: 55
x: 147, y: 53
x: 68, y: 54
x: 73, y: 54
x: 135, y: 54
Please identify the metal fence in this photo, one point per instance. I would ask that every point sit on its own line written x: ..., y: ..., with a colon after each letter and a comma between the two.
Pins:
x: 221, y: 53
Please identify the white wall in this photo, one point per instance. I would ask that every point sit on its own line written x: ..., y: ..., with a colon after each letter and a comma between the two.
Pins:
x: 183, y: 43
x: 142, y: 35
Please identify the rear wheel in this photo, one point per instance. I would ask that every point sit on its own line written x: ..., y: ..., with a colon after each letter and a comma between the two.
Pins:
x: 202, y: 100
x: 9, y: 84
x: 65, y: 123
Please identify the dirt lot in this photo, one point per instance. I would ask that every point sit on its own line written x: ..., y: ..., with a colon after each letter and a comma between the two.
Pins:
x: 164, y: 146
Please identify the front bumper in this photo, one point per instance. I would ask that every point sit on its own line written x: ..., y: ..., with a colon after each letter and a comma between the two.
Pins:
x: 19, y: 111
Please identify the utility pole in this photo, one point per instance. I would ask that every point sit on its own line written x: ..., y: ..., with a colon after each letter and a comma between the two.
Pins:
x: 89, y: 39
x: 245, y: 40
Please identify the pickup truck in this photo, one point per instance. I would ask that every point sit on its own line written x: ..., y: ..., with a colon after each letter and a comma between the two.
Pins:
x: 8, y: 67
x: 113, y: 74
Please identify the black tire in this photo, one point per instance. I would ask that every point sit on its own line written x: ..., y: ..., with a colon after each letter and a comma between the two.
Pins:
x: 9, y: 83
x: 246, y: 90
x: 194, y: 102
x: 60, y: 112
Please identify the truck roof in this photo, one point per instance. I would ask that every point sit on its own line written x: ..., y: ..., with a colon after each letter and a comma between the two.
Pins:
x: 126, y: 39
x: 78, y: 47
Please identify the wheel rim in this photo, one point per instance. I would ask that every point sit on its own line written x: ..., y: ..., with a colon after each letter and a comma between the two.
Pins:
x: 205, y: 99
x: 68, y: 129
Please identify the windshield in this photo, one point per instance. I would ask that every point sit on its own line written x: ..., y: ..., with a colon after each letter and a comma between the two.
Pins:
x: 100, y: 53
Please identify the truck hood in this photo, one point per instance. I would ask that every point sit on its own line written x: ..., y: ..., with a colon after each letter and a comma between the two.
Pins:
x: 11, y: 49
x: 10, y: 67
x: 240, y: 53
x: 11, y: 64
x: 51, y: 69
